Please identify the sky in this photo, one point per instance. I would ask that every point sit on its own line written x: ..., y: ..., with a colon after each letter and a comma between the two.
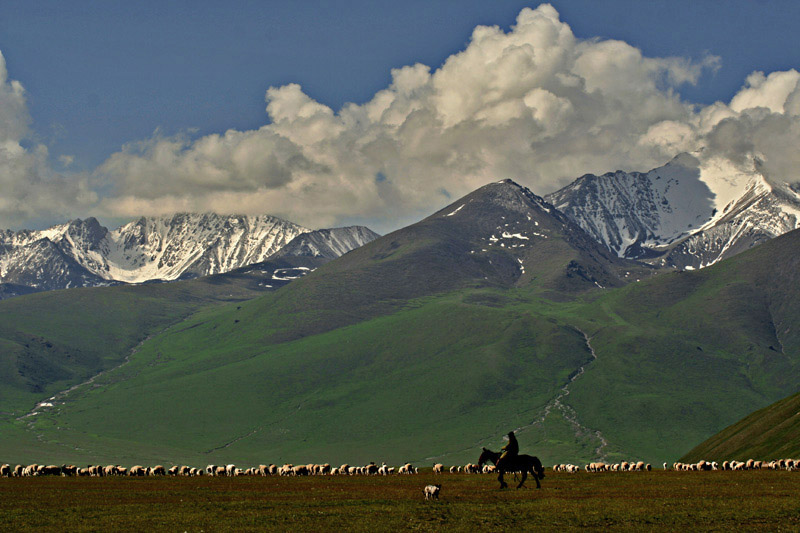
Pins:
x: 330, y: 113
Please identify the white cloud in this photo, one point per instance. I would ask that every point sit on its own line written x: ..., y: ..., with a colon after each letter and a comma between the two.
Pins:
x: 535, y: 104
x: 29, y: 188
x: 771, y: 91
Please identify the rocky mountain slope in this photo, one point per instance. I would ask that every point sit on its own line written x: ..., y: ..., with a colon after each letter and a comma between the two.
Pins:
x: 83, y: 253
x: 327, y: 243
x: 686, y: 214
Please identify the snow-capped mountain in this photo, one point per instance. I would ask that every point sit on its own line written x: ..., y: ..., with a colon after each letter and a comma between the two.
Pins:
x: 42, y: 265
x: 328, y: 243
x: 686, y: 214
x: 84, y: 253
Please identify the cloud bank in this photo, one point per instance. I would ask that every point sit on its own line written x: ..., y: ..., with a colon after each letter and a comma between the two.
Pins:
x: 29, y: 189
x: 535, y: 104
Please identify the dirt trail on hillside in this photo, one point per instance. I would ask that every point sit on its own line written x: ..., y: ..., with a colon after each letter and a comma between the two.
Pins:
x: 60, y: 398
x: 569, y: 414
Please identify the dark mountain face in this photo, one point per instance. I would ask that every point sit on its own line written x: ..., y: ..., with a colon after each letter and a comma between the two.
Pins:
x: 43, y: 265
x: 501, y: 235
x: 89, y: 232
x: 524, y: 239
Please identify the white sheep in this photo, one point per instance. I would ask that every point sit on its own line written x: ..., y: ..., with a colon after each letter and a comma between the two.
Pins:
x: 431, y: 492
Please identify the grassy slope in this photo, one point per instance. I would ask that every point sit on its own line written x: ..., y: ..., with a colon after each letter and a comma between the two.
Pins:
x: 52, y: 340
x: 668, y: 378
x: 397, y: 386
x: 769, y: 433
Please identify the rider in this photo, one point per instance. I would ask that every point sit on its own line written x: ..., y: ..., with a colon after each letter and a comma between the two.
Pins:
x: 510, y: 450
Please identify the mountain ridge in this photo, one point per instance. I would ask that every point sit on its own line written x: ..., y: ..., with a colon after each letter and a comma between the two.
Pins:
x: 83, y: 253
x: 689, y: 213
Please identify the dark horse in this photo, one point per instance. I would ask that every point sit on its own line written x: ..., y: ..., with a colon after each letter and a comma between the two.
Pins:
x: 526, y: 464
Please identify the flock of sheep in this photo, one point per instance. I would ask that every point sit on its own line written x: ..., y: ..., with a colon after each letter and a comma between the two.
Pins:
x: 641, y: 466
x: 750, y: 464
x: 624, y: 466
x: 231, y: 470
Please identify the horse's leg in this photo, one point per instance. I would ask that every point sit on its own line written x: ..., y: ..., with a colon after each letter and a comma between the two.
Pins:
x: 536, y: 477
x: 524, y: 477
x: 503, y: 484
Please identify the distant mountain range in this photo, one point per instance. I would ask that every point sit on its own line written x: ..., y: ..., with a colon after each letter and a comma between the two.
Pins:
x: 83, y: 253
x: 685, y: 215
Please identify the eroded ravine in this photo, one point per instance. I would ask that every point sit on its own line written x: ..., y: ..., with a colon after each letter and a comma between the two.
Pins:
x: 568, y: 413
x: 60, y: 398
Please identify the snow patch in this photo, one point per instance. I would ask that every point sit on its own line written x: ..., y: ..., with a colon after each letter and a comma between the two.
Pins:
x: 288, y: 274
x: 456, y: 211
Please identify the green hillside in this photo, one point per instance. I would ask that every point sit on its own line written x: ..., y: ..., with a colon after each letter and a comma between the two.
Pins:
x: 402, y: 351
x: 50, y: 341
x: 678, y: 357
x: 768, y: 434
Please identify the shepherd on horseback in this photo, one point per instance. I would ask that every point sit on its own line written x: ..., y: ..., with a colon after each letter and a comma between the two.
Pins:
x: 510, y: 452
x: 511, y: 461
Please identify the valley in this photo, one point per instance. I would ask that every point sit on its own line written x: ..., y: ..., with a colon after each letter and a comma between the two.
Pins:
x: 420, y: 345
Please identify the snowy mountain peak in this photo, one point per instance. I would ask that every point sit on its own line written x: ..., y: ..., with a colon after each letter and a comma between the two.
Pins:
x: 687, y: 213
x: 83, y: 252
x: 510, y: 195
x: 328, y: 243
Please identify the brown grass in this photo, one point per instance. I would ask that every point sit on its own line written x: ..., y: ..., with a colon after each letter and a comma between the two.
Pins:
x: 666, y: 501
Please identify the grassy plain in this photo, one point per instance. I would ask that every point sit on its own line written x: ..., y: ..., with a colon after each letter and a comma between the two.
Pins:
x: 655, y: 501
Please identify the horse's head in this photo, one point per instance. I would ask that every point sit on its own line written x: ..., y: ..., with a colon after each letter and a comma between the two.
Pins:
x: 486, y: 455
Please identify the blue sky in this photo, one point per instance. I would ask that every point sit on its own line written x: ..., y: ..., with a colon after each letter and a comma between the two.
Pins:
x: 100, y: 75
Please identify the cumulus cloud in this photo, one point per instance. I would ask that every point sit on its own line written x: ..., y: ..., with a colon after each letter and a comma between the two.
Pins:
x: 29, y: 187
x: 535, y: 104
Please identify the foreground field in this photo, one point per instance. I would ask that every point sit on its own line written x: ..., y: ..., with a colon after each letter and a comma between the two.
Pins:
x: 764, y: 500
